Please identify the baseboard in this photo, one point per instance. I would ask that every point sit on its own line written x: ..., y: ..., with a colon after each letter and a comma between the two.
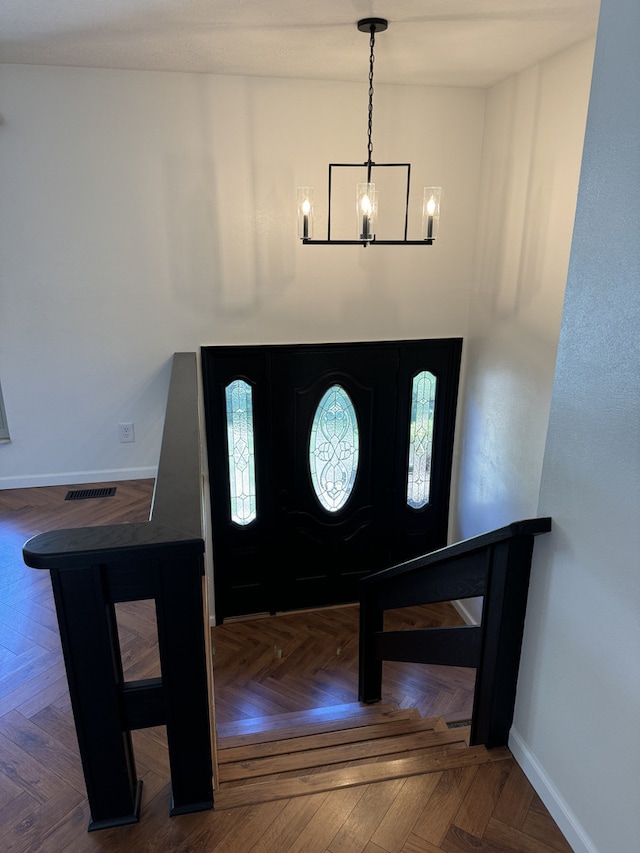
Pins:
x: 558, y: 808
x: 459, y: 606
x: 465, y: 613
x: 252, y: 617
x: 77, y: 477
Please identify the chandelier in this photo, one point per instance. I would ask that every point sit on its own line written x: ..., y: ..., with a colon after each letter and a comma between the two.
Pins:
x: 366, y: 196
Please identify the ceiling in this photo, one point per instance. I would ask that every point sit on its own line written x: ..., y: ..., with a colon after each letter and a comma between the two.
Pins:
x: 429, y: 42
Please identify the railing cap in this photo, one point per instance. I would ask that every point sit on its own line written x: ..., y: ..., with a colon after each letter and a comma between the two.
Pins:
x: 82, y: 546
x: 526, y: 527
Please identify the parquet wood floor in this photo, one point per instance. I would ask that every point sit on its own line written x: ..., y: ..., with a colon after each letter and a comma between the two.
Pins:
x: 295, y: 664
x: 297, y: 661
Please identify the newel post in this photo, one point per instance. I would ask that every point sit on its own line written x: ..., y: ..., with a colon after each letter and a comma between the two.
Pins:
x: 503, y: 615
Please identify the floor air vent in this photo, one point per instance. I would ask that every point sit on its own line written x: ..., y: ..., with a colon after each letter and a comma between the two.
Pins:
x: 83, y: 494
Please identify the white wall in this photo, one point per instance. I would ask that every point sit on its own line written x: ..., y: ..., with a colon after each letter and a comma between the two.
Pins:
x: 534, y: 130
x: 146, y: 213
x: 576, y: 729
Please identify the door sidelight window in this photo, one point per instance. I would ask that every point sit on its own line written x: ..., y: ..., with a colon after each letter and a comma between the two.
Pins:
x: 423, y: 398
x: 240, y: 448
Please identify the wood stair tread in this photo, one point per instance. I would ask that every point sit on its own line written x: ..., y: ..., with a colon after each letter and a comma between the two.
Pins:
x: 299, y: 742
x: 337, y: 747
x: 353, y: 775
x: 336, y: 717
x: 318, y: 755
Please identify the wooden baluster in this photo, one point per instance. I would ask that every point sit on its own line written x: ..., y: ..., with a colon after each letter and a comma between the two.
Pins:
x: 370, y: 668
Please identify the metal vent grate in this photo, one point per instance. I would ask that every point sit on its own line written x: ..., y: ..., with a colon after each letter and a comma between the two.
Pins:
x: 82, y: 494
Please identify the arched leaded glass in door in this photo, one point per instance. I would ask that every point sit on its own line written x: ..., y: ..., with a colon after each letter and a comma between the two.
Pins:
x: 334, y: 449
x: 423, y: 398
x: 240, y: 446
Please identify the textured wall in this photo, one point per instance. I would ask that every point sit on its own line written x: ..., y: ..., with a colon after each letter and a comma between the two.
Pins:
x: 578, y: 707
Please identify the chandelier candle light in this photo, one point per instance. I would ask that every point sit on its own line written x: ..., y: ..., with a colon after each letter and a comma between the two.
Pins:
x: 366, y: 192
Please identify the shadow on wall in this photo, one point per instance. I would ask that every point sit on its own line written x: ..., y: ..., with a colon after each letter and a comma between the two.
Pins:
x: 512, y: 210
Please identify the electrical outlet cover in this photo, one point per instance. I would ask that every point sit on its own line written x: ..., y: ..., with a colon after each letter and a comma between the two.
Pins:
x: 126, y: 432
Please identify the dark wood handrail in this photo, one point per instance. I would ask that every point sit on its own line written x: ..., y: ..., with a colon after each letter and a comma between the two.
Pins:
x: 92, y: 569
x: 495, y: 566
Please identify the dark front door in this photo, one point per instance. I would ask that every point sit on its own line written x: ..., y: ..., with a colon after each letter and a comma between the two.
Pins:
x: 333, y: 469
x: 317, y: 466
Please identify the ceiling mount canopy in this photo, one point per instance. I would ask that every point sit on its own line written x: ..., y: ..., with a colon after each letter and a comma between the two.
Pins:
x: 375, y: 25
x: 366, y: 191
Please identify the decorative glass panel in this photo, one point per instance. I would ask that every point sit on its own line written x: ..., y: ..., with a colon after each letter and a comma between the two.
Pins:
x: 242, y: 463
x: 333, y: 449
x: 423, y: 397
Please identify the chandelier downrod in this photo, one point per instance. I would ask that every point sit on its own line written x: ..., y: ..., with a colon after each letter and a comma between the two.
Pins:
x: 372, y: 26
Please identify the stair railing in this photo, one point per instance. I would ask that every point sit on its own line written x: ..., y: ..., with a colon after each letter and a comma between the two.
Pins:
x: 92, y: 569
x: 496, y: 566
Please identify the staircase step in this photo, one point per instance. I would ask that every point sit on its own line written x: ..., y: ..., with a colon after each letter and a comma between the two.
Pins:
x: 299, y: 740
x: 317, y: 755
x: 436, y: 760
x: 276, y: 727
x: 292, y: 755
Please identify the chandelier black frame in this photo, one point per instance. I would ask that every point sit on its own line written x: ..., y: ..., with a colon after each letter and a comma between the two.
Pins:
x: 366, y: 193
